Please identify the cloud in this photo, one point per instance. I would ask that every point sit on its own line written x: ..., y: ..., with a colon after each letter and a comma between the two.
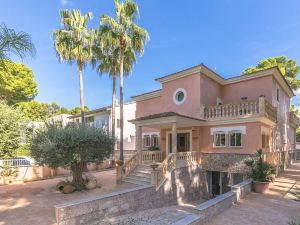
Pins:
x: 64, y: 2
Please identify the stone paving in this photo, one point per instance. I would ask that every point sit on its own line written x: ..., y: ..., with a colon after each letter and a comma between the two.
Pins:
x: 278, y: 206
x: 33, y: 203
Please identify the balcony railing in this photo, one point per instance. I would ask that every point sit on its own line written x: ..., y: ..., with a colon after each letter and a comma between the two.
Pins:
x: 244, y: 109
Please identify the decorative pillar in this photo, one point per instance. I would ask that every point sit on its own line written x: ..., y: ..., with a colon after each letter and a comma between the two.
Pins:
x: 139, y: 141
x: 261, y: 106
x: 202, y: 111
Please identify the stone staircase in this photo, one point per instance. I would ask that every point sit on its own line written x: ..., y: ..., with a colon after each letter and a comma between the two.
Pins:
x: 141, y: 175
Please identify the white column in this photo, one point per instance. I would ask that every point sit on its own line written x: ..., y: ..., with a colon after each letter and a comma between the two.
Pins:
x: 174, y: 138
x: 139, y: 138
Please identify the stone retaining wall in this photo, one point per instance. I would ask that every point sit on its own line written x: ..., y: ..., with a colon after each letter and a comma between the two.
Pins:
x: 181, y: 185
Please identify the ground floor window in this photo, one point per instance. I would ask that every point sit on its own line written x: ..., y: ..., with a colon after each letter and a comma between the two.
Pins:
x: 147, y: 141
x: 265, y: 140
x: 219, y: 139
x: 154, y: 140
x: 235, y: 139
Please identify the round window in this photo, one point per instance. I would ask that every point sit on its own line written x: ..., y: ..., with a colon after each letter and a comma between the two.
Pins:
x: 179, y: 96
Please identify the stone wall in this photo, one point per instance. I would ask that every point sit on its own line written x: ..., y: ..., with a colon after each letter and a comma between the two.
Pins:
x: 181, y: 185
x: 225, y: 162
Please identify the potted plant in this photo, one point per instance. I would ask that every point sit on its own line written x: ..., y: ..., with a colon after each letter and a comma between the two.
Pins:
x: 8, y: 174
x: 261, y: 172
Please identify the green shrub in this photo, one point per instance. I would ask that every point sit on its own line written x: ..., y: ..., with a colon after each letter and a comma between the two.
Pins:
x: 296, y: 221
x: 260, y: 170
x: 153, y: 148
x: 71, y: 147
x: 7, y: 171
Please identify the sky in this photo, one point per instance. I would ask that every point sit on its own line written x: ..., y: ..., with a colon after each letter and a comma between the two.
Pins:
x: 226, y: 35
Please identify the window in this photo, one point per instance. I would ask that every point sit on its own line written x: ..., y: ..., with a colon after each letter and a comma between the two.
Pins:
x: 154, y: 140
x: 235, y: 139
x: 219, y: 139
x: 265, y: 140
x: 277, y: 94
x: 147, y: 141
x: 118, y: 123
x: 89, y: 119
x: 179, y: 96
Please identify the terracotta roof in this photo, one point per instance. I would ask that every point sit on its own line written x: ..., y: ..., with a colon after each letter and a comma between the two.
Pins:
x: 164, y: 114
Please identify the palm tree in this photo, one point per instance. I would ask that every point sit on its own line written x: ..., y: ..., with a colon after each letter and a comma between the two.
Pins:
x: 18, y: 43
x: 107, y: 55
x: 74, y: 43
x: 130, y: 38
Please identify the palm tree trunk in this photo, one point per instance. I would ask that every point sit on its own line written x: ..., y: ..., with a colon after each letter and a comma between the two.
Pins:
x: 113, y: 112
x: 81, y: 94
x: 121, y: 107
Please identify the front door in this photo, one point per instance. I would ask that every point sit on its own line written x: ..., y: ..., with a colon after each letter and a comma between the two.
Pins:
x: 183, y: 142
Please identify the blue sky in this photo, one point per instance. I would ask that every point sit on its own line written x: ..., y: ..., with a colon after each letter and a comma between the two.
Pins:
x: 226, y: 35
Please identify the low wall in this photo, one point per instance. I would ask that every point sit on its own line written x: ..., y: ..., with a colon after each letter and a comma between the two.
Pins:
x: 181, y: 185
x: 32, y: 173
x: 215, y: 206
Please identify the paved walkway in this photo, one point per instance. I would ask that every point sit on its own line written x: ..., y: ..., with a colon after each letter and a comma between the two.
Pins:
x: 278, y: 206
x: 33, y: 203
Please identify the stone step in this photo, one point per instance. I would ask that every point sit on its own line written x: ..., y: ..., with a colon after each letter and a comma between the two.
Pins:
x: 144, y: 168
x: 137, y: 182
x: 141, y: 171
x: 141, y: 174
x: 138, y: 178
x: 190, y: 219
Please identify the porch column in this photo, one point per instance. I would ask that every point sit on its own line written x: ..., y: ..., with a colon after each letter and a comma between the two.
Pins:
x: 174, y: 138
x: 139, y: 138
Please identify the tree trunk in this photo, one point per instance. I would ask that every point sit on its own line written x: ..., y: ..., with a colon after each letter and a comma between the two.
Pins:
x: 81, y: 94
x: 113, y: 112
x: 121, y: 106
x: 77, y: 170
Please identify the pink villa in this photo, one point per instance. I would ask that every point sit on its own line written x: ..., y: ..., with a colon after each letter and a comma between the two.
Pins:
x: 198, y: 117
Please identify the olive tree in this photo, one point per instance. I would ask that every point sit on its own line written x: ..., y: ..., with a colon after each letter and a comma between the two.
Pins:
x: 71, y: 147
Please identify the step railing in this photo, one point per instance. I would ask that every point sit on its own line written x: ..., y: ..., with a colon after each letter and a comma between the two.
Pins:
x: 151, y: 156
x: 188, y: 159
x: 129, y: 165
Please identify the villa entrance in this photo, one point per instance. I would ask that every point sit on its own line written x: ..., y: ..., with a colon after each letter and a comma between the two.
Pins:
x: 183, y: 142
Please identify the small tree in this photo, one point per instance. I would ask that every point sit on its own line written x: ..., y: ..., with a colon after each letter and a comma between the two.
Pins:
x: 12, y: 126
x: 71, y: 147
x: 261, y: 171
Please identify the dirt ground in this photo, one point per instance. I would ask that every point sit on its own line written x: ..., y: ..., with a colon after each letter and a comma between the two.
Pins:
x: 33, y: 203
x: 278, y: 206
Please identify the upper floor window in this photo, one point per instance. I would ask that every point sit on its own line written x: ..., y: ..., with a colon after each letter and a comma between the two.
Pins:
x: 220, y: 139
x: 179, y: 96
x: 235, y: 139
x: 277, y: 94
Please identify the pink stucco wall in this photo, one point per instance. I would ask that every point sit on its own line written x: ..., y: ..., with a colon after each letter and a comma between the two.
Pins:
x: 251, y: 89
x: 210, y: 90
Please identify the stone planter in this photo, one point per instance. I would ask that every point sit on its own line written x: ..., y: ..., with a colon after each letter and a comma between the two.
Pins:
x: 260, y: 187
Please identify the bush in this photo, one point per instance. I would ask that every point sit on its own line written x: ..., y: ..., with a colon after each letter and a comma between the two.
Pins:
x: 296, y: 221
x: 260, y: 170
x: 71, y: 147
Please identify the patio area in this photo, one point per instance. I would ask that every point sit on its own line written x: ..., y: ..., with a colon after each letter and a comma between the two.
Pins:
x: 33, y: 202
x: 278, y: 206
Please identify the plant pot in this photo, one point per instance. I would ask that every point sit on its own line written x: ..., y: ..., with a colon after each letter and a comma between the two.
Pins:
x: 260, y: 187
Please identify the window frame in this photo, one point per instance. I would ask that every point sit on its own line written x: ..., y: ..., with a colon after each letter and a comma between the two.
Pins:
x: 229, y: 138
x: 215, y: 138
x: 154, y: 136
x: 278, y: 94
x: 145, y: 141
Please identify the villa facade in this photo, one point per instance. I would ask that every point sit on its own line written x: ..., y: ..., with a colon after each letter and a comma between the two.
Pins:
x: 198, y: 112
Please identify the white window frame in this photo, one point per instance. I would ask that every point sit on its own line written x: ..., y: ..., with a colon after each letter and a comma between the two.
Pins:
x: 229, y: 138
x: 175, y: 95
x: 147, y: 145
x: 153, y: 144
x: 215, y: 138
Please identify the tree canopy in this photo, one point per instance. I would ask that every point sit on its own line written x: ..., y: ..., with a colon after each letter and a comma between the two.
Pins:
x: 34, y: 110
x: 17, y: 83
x: 12, y: 42
x: 12, y: 125
x: 71, y: 147
x: 288, y: 68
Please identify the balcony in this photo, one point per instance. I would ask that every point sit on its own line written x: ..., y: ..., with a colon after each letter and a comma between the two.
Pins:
x: 244, y: 109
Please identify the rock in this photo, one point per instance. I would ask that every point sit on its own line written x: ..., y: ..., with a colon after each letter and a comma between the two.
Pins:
x: 68, y: 189
x: 91, y: 184
x: 60, y: 185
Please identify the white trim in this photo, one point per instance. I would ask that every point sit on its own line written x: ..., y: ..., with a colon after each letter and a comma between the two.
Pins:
x: 146, y: 96
x: 178, y: 132
x: 150, y: 133
x: 175, y: 96
x: 229, y: 139
x: 214, y: 143
x: 226, y: 130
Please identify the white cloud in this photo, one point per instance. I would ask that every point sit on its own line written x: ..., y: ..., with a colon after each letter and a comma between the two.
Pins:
x: 64, y: 2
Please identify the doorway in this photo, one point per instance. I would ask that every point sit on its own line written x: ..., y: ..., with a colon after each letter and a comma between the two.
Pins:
x: 183, y: 142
